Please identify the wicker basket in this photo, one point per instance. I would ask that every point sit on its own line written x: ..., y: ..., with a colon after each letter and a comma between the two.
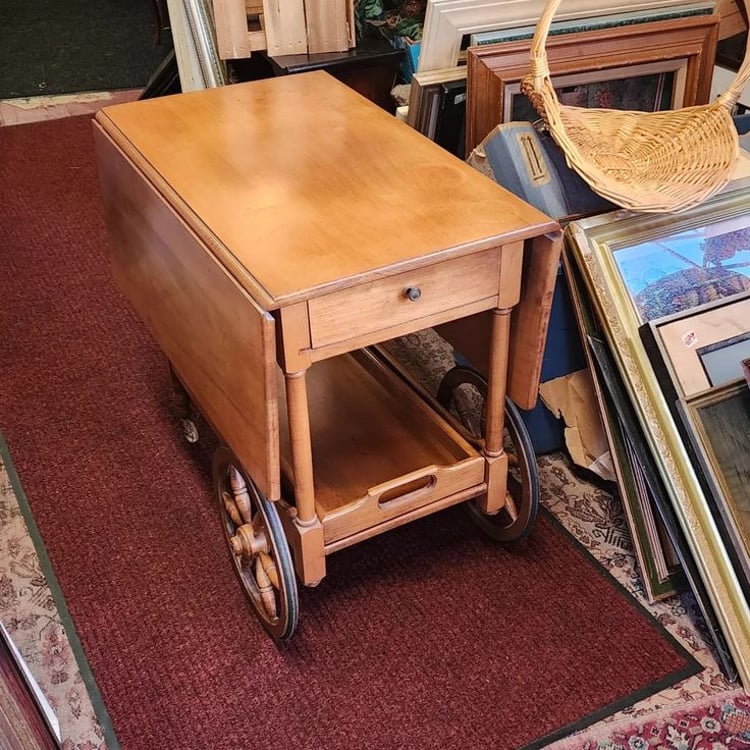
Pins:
x: 645, y: 161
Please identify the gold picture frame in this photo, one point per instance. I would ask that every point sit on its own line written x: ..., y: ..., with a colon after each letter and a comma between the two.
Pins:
x: 718, y: 424
x: 594, y: 243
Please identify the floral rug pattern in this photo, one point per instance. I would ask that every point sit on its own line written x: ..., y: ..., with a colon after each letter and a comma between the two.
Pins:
x: 29, y: 613
x: 704, y: 712
x: 712, y: 724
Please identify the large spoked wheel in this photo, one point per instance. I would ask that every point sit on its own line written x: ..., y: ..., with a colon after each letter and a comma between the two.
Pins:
x: 257, y: 545
x: 463, y: 392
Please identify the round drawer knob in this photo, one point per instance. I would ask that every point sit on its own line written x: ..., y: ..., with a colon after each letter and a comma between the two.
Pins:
x: 413, y: 293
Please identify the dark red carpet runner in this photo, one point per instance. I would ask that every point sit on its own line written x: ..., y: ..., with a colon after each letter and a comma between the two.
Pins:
x: 427, y: 637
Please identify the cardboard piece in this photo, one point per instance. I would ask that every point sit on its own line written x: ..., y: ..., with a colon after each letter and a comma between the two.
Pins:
x: 573, y: 399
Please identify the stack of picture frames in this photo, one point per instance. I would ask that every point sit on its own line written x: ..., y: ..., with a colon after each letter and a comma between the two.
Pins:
x: 664, y: 305
x: 663, y: 301
x: 646, y: 59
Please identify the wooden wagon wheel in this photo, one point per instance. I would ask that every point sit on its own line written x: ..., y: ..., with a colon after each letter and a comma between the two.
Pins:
x: 257, y: 545
x: 463, y: 391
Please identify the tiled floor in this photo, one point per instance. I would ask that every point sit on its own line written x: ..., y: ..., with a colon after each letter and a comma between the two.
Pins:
x: 20, y: 111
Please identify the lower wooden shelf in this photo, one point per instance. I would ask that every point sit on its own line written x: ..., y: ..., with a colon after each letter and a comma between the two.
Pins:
x: 381, y: 454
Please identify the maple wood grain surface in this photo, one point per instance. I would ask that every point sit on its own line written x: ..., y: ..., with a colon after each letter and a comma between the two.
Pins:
x: 303, y: 186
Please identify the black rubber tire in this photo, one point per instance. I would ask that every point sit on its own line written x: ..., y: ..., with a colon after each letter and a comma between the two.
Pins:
x: 523, y: 478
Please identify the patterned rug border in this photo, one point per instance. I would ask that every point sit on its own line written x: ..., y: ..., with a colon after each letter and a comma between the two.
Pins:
x: 66, y: 620
x: 692, y: 666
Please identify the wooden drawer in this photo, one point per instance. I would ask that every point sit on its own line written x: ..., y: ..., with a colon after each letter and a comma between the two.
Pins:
x: 386, y: 302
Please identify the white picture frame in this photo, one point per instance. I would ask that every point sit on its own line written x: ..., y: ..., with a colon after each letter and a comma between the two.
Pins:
x: 448, y: 21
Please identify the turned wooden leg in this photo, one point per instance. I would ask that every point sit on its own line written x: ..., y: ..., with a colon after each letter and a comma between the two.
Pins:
x: 299, y: 435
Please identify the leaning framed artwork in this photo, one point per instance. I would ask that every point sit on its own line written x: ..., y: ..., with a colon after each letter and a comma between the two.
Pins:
x: 26, y: 717
x: 595, y: 243
x: 424, y: 97
x: 697, y: 356
x: 704, y: 347
x: 447, y: 22
x: 670, y: 265
x: 652, y: 551
x: 682, y: 46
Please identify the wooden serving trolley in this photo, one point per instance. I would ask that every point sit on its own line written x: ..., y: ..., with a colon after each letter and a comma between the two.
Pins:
x: 270, y: 234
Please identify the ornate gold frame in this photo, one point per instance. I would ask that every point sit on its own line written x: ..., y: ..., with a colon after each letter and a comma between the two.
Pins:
x: 719, y: 481
x: 593, y: 242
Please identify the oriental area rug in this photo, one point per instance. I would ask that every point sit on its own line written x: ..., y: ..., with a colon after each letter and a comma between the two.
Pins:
x: 429, y: 636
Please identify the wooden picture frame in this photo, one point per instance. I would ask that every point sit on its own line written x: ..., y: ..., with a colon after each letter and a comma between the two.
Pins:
x: 702, y: 348
x: 648, y: 87
x: 447, y: 22
x: 645, y: 472
x: 594, y: 242
x: 733, y: 20
x: 684, y: 41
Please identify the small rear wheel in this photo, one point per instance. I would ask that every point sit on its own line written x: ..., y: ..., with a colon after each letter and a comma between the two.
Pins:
x: 257, y: 545
x: 463, y: 392
x: 183, y: 408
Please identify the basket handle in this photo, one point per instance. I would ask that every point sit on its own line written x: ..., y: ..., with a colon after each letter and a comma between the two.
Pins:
x: 538, y: 58
x: 540, y: 65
